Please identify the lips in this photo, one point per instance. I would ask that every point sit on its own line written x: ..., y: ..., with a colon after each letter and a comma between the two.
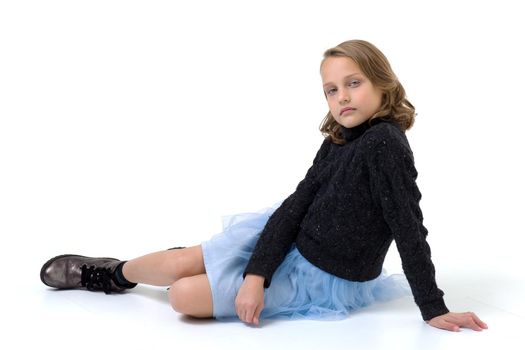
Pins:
x: 347, y: 109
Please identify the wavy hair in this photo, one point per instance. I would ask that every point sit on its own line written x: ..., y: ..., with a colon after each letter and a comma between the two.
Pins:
x: 373, y: 63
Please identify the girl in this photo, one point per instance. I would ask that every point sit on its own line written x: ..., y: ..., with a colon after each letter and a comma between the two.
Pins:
x: 318, y: 253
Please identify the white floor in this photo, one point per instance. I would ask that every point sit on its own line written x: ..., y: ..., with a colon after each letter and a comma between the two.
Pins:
x: 36, y: 316
x: 127, y: 127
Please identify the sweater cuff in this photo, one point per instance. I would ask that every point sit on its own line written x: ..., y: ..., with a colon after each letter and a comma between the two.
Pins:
x: 434, y: 309
x: 267, y: 280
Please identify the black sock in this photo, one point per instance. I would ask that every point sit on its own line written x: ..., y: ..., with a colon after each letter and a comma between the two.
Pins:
x: 120, y: 280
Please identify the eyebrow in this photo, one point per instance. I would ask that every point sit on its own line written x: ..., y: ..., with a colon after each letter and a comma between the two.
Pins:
x: 348, y: 76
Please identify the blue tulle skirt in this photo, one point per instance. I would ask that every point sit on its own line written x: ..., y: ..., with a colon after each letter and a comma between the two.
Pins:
x: 299, y: 290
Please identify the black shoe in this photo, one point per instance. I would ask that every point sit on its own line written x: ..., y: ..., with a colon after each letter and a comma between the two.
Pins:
x: 76, y: 271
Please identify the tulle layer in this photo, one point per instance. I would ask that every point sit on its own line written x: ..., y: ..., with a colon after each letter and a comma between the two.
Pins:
x: 299, y: 290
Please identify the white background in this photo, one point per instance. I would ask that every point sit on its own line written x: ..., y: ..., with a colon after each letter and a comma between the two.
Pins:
x: 132, y: 126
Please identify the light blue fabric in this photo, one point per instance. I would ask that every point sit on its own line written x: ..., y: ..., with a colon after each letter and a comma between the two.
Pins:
x: 299, y: 290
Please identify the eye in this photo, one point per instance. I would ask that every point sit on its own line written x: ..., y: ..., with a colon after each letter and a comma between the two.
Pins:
x: 329, y: 92
x: 354, y: 83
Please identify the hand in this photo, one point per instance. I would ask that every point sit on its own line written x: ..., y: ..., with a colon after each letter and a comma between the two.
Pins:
x: 453, y: 321
x: 250, y: 299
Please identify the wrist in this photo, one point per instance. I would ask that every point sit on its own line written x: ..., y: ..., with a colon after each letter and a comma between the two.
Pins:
x: 254, y: 279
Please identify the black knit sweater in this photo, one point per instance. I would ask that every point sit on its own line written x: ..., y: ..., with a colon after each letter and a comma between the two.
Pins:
x: 354, y: 200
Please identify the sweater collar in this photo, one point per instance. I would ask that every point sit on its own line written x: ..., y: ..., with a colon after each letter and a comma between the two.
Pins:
x: 353, y: 133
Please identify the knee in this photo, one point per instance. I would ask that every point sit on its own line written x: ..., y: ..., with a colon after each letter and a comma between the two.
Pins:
x: 192, y: 296
x: 183, y: 263
x: 180, y: 294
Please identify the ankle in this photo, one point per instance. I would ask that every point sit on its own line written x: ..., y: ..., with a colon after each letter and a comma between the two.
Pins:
x: 120, y: 279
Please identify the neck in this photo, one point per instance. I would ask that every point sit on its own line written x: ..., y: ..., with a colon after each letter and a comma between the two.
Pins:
x: 353, y: 133
x: 350, y: 134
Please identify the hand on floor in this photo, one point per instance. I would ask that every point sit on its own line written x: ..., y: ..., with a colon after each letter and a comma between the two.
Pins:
x: 453, y: 321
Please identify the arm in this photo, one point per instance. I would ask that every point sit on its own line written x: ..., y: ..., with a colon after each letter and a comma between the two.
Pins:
x: 283, y: 225
x: 276, y: 238
x: 393, y: 183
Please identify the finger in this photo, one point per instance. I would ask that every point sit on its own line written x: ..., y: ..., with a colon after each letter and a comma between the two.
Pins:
x: 472, y: 325
x: 450, y: 326
x: 467, y: 320
x: 249, y: 314
x: 242, y: 314
x: 256, y: 316
x: 239, y: 312
x: 479, y: 322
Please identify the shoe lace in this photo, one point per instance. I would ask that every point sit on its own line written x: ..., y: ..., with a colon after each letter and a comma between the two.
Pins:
x: 96, y: 278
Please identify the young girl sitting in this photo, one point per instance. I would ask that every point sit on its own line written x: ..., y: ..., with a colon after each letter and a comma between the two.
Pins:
x: 319, y: 253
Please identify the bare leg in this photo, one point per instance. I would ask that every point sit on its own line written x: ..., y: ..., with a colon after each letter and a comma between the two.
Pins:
x: 165, y: 267
x: 192, y: 296
x: 183, y: 270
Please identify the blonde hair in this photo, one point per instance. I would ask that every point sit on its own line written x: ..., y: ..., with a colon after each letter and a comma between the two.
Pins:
x: 373, y: 63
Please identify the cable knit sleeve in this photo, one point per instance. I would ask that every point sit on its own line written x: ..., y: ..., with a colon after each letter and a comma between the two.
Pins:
x: 393, y: 185
x: 283, y: 225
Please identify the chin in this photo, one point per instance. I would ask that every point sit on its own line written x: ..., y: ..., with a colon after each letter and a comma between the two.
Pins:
x: 350, y: 124
x: 355, y: 123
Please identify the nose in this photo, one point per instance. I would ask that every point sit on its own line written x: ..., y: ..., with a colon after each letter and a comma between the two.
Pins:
x: 344, y: 97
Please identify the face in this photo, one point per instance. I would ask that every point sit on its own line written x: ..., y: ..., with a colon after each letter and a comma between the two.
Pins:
x: 351, y: 97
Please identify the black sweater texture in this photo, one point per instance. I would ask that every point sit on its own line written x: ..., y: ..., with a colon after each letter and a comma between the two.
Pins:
x: 354, y: 201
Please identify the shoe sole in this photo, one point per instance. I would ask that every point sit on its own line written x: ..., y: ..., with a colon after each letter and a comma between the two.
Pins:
x: 52, y: 260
